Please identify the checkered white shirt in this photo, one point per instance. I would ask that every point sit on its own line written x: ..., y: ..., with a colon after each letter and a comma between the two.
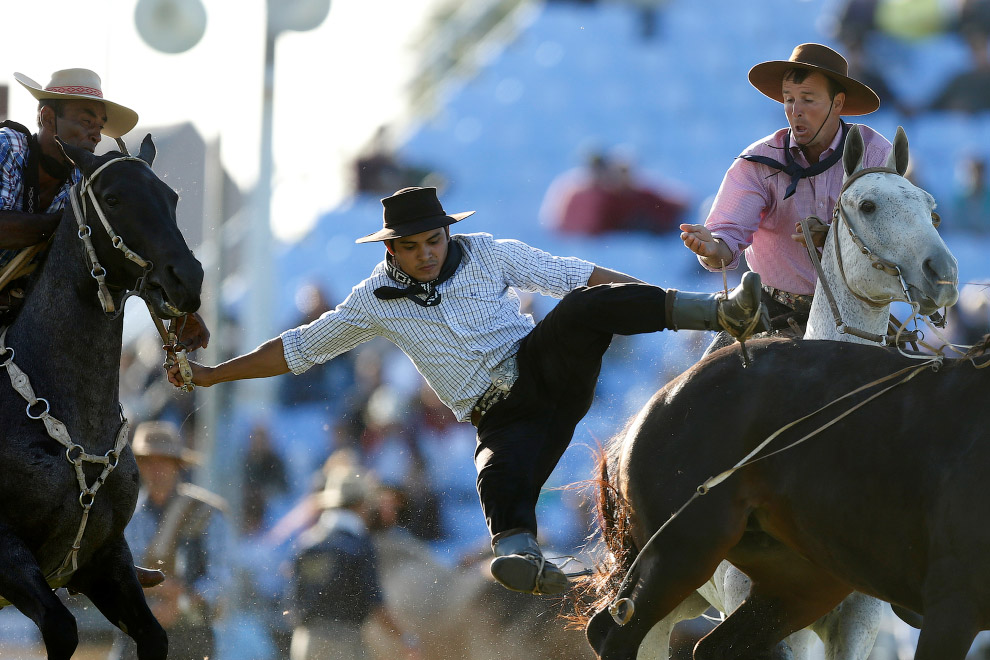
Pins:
x: 455, y: 344
x: 13, y: 160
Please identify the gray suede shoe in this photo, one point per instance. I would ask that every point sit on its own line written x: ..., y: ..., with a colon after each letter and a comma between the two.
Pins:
x: 519, y: 565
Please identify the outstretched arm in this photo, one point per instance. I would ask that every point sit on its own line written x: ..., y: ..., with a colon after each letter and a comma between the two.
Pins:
x: 264, y: 361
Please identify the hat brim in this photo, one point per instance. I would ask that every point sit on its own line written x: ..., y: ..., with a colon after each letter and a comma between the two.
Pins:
x: 185, y: 456
x: 120, y: 119
x: 417, y: 227
x: 768, y: 78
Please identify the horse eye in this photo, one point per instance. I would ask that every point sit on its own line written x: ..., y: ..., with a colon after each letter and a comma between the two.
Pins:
x: 867, y: 206
x: 936, y: 219
x: 111, y: 200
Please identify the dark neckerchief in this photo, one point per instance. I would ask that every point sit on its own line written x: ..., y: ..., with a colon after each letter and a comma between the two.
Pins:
x: 791, y: 167
x: 413, y: 288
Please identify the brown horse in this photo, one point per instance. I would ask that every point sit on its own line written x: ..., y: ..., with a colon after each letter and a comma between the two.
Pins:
x: 885, y: 497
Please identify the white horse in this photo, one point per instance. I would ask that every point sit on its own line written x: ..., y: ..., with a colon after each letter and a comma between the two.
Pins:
x: 882, y: 248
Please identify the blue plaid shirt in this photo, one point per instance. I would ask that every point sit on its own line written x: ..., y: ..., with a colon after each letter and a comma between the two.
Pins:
x: 13, y: 158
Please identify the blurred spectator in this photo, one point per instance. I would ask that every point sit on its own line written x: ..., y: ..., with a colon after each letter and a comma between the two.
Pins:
x: 379, y: 171
x: 969, y: 319
x: 264, y: 472
x: 608, y: 196
x: 914, y: 20
x: 324, y: 384
x: 179, y: 528
x: 971, y: 204
x: 862, y: 68
x: 969, y: 90
x: 337, y: 558
x: 853, y: 23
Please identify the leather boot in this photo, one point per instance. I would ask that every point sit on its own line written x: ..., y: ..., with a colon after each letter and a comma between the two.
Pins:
x: 741, y: 314
x: 519, y: 564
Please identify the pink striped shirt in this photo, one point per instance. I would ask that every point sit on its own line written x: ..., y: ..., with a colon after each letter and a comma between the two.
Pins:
x: 749, y: 212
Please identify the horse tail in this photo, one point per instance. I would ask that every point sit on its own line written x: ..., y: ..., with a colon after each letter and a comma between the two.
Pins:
x: 611, y: 537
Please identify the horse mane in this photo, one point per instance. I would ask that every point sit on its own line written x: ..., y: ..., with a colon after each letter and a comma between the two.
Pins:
x: 610, y: 540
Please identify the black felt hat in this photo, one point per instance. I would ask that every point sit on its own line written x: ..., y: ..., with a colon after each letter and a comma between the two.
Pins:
x: 412, y: 211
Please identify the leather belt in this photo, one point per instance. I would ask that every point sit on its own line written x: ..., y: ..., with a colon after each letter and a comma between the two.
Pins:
x: 797, y: 302
x: 503, y: 377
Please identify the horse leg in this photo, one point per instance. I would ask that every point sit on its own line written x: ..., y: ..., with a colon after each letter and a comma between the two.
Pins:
x: 787, y: 594
x: 752, y: 631
x: 656, y: 644
x: 23, y: 584
x: 677, y: 562
x: 850, y: 630
x: 111, y: 583
x: 948, y: 631
x: 735, y: 589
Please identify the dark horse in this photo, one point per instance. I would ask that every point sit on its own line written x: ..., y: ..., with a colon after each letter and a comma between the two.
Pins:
x: 76, y: 483
x: 887, y: 496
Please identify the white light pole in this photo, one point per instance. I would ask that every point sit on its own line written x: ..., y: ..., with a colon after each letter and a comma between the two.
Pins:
x: 282, y: 15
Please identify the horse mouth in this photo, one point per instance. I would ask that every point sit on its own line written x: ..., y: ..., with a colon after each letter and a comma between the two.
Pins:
x: 928, y: 303
x: 155, y: 296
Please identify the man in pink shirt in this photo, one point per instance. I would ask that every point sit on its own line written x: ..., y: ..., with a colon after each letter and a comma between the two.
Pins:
x: 787, y: 176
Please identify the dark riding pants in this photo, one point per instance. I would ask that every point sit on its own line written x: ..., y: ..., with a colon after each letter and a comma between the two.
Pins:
x: 521, y: 438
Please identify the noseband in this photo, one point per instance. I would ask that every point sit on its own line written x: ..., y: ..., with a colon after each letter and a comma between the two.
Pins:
x: 97, y: 271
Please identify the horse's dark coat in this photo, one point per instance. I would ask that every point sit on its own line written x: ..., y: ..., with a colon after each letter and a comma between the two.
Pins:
x: 890, y: 501
x: 70, y: 349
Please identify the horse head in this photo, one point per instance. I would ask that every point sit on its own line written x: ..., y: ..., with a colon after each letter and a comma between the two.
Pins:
x: 884, y: 233
x: 137, y: 241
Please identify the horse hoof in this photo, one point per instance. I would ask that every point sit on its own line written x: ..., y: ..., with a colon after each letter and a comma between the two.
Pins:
x: 622, y: 611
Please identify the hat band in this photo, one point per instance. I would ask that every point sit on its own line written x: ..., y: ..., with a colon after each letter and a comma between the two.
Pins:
x: 89, y: 91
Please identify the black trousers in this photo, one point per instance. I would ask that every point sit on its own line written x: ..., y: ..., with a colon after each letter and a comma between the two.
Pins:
x: 522, y: 437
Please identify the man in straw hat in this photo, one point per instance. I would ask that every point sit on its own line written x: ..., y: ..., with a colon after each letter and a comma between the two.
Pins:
x: 448, y: 303
x: 180, y: 528
x: 337, y: 556
x: 787, y: 176
x: 35, y: 176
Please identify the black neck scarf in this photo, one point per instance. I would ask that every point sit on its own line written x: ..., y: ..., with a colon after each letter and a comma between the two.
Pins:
x: 414, y: 288
x: 791, y: 167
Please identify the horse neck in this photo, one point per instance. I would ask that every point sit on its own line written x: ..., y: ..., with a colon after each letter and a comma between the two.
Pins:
x: 852, y: 311
x: 68, y: 347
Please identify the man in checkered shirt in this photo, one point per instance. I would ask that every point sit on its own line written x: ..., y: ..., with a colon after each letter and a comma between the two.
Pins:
x: 448, y: 303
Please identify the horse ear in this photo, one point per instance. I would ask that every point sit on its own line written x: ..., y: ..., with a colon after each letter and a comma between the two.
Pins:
x: 852, y: 153
x: 79, y: 157
x: 148, y: 151
x: 898, y: 158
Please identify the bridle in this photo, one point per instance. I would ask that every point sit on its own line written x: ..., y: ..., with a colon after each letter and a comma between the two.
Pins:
x: 841, y: 218
x: 96, y: 270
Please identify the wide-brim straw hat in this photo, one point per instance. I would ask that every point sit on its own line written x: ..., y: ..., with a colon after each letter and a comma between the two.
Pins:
x: 768, y: 77
x: 412, y: 211
x: 163, y: 439
x: 84, y: 85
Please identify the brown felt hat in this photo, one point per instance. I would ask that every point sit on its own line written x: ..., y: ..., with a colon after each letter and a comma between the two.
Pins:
x: 768, y: 77
x: 412, y: 211
x: 162, y: 439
